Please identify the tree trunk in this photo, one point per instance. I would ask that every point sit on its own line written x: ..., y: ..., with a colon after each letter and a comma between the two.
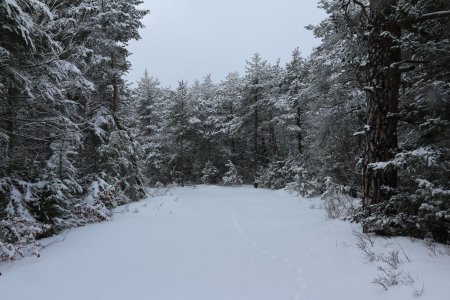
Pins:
x: 183, y: 126
x: 255, y: 142
x: 11, y: 127
x: 273, y: 137
x: 115, y: 84
x: 383, y: 85
x: 299, y: 134
x: 182, y: 160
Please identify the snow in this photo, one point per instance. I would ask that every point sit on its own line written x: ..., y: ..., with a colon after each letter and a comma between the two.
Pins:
x: 423, y: 183
x: 380, y: 165
x: 230, y: 243
x: 440, y: 192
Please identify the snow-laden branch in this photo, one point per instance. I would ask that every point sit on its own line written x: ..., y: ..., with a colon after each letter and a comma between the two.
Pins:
x: 425, y: 17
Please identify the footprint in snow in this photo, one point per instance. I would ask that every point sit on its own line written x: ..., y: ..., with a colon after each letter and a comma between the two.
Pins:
x: 284, y: 262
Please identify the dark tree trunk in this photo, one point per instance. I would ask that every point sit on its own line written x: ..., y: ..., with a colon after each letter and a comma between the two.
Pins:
x: 11, y: 127
x: 182, y: 168
x: 299, y: 134
x: 115, y: 84
x: 255, y: 141
x: 273, y: 137
x: 383, y: 93
x: 115, y: 97
x: 233, y: 143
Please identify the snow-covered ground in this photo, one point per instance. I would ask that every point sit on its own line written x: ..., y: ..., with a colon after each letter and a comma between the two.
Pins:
x: 214, y: 243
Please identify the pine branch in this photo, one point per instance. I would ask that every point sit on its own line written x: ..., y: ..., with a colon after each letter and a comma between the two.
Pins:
x: 409, y: 61
x: 421, y: 18
x: 406, y: 69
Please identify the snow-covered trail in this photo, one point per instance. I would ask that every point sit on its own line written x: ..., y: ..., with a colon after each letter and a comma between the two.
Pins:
x: 214, y: 243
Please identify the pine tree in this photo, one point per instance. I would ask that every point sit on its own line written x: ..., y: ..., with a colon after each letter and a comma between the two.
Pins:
x: 393, y: 31
x: 228, y: 119
x: 254, y: 94
x: 203, y: 96
x: 50, y: 59
x: 231, y: 177
x: 180, y: 127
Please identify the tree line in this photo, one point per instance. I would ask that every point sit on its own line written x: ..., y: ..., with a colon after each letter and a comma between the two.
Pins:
x: 367, y: 113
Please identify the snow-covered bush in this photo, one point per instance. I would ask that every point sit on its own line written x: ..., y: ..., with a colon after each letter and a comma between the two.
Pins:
x: 18, y: 237
x: 99, y: 197
x: 305, y: 184
x: 231, y: 177
x: 276, y: 176
x: 18, y: 227
x: 30, y: 211
x: 424, y: 214
x: 337, y: 201
x: 209, y: 173
x: 420, y: 207
x: 304, y: 181
x: 291, y: 174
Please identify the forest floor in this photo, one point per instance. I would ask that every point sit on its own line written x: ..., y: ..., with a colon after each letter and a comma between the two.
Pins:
x: 227, y: 243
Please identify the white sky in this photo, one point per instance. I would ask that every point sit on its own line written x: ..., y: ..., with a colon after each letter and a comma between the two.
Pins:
x: 188, y: 39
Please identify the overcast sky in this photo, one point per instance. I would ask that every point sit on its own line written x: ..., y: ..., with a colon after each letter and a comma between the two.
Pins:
x: 188, y: 39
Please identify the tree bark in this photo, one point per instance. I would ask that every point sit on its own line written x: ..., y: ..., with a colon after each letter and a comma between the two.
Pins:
x: 299, y: 133
x: 11, y: 126
x: 383, y: 95
x: 115, y: 84
x: 233, y: 143
x: 255, y: 141
x: 183, y: 126
x: 273, y: 137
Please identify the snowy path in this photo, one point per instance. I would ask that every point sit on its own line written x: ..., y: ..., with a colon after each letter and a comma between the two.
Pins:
x: 217, y: 243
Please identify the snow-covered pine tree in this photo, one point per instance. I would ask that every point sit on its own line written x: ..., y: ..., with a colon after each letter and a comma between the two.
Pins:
x: 149, y: 103
x: 253, y: 112
x: 228, y: 120
x: 396, y: 39
x: 294, y: 82
x: 180, y: 128
x: 231, y: 177
x: 38, y: 183
x: 110, y: 25
x: 205, y: 143
x: 336, y: 99
x: 209, y: 173
x: 47, y: 85
x: 404, y: 192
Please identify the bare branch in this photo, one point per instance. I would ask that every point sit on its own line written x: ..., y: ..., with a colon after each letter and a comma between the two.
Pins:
x: 27, y: 137
x: 345, y: 6
x: 363, y: 8
x: 56, y: 241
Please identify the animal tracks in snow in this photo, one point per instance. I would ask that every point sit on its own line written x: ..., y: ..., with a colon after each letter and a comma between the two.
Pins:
x: 283, y: 262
